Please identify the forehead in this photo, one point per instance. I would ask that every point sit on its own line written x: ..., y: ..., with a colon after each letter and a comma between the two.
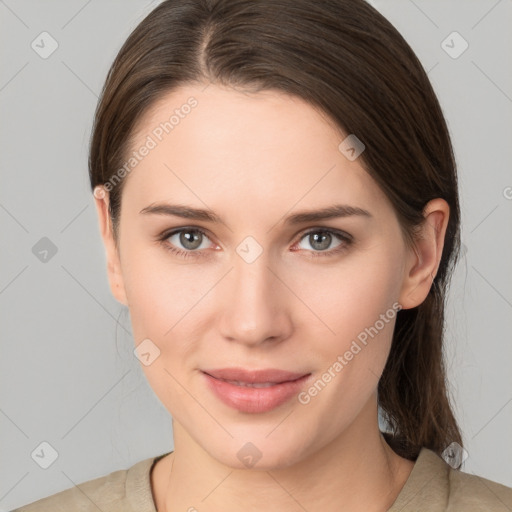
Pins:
x: 221, y: 146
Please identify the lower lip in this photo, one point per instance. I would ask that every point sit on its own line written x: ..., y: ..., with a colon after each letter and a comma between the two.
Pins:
x: 255, y: 400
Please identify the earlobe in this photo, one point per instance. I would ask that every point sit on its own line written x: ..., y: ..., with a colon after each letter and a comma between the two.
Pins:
x: 424, y: 258
x: 114, y: 273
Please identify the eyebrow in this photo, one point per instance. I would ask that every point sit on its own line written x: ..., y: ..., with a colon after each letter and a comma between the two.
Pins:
x: 189, y: 212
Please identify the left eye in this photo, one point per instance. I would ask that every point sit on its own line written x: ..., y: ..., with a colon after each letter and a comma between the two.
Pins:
x: 321, y: 240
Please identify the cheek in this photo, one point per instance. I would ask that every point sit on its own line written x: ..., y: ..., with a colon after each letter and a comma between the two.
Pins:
x: 162, y: 300
x: 346, y: 300
x: 358, y: 303
x: 160, y: 293
x: 164, y: 304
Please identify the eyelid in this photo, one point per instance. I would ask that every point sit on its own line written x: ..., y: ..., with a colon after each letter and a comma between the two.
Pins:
x: 318, y: 229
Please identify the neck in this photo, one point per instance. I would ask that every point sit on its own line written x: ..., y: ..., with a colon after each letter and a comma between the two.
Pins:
x: 356, y: 471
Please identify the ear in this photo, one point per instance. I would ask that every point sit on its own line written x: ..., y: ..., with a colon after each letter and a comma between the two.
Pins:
x: 424, y: 258
x: 115, y: 276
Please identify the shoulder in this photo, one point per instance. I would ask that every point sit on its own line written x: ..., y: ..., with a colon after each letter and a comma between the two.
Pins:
x: 434, y: 486
x: 118, y: 491
x: 475, y: 493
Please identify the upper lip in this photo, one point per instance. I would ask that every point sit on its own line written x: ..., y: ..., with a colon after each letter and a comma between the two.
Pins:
x: 254, y: 376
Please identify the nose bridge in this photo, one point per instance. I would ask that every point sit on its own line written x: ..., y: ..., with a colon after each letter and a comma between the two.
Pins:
x: 253, y: 310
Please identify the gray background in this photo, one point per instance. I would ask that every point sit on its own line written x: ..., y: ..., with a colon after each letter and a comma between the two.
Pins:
x: 67, y: 369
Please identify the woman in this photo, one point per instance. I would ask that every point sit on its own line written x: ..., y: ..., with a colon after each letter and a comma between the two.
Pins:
x: 277, y: 194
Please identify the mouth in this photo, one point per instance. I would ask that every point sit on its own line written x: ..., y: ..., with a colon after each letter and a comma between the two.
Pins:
x: 251, y: 385
x: 254, y: 391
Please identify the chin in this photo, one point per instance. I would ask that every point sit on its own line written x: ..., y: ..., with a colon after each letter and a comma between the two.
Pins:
x: 258, y: 452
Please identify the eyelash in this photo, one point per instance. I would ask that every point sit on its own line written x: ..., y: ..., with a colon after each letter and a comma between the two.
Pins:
x: 345, y: 238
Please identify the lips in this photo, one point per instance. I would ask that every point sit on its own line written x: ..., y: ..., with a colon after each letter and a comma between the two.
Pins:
x: 242, y: 376
x: 254, y: 391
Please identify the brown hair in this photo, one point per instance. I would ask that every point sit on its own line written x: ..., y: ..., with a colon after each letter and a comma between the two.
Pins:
x: 348, y: 61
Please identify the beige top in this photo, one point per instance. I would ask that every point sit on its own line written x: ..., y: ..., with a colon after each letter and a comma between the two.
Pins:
x: 432, y: 486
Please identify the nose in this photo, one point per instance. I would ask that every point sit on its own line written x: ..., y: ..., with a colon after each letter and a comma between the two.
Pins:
x: 254, y: 309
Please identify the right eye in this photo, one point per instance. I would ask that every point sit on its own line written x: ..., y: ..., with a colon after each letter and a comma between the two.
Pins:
x: 184, y: 241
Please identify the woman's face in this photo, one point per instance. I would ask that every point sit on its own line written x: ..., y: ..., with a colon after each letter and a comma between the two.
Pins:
x: 260, y: 288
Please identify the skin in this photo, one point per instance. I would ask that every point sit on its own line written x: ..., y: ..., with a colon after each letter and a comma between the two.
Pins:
x: 254, y: 158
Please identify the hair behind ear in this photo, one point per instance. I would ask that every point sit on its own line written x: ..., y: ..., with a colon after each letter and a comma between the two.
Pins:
x: 413, y: 388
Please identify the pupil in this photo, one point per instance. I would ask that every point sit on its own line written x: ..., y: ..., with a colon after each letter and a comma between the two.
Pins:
x: 325, y: 239
x: 189, y: 239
